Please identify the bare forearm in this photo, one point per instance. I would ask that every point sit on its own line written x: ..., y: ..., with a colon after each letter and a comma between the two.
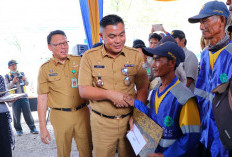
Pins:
x: 142, y: 94
x: 93, y: 93
x: 42, y: 108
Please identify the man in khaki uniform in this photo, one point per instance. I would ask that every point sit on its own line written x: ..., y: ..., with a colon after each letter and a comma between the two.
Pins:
x: 58, y: 88
x: 107, y: 74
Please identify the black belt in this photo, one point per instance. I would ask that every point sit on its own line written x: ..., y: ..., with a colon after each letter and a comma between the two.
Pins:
x: 71, y: 109
x: 112, y: 117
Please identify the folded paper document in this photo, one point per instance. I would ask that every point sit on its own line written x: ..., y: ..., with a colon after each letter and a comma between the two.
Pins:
x: 150, y: 131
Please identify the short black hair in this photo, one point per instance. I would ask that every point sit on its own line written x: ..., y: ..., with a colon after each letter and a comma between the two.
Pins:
x: 49, y: 37
x: 110, y: 20
x: 155, y: 36
x: 138, y: 44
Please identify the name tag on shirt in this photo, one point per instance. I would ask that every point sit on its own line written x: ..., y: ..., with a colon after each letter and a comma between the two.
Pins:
x: 53, y: 74
x: 99, y: 66
x: 128, y: 65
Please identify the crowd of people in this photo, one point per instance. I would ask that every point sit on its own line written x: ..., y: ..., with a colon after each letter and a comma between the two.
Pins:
x: 92, y: 97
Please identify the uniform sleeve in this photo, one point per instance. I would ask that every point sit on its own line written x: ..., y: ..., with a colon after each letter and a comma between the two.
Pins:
x: 85, y: 74
x: 140, y: 106
x: 42, y: 82
x: 180, y: 73
x: 190, y: 126
x: 191, y: 66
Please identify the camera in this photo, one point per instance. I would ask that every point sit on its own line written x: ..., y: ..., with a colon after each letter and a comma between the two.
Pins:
x: 19, y: 76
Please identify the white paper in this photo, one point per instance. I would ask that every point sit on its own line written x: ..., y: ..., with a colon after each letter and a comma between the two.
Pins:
x: 136, y: 139
x: 12, y: 97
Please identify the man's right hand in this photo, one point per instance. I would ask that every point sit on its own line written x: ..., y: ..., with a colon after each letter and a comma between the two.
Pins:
x: 15, y: 80
x: 45, y: 136
x: 117, y: 99
x: 129, y: 100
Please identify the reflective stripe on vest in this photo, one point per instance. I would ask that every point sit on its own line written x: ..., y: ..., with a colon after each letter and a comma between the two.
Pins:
x: 190, y: 129
x: 166, y: 142
x: 204, y: 94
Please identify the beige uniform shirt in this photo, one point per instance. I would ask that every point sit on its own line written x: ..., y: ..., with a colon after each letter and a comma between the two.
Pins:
x: 55, y: 80
x: 96, y: 64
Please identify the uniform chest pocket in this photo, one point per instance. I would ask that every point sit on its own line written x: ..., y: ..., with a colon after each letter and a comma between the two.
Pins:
x: 99, y: 77
x: 55, y: 80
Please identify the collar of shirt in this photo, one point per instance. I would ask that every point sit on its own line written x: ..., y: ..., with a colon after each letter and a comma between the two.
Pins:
x: 56, y: 61
x: 104, y: 53
x: 222, y: 43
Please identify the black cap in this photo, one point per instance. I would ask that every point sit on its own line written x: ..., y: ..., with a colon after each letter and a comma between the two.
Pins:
x: 138, y: 44
x: 12, y: 62
x: 178, y: 34
x: 167, y: 38
x: 169, y: 50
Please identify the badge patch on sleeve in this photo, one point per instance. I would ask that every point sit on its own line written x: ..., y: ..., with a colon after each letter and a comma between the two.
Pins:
x: 223, y: 78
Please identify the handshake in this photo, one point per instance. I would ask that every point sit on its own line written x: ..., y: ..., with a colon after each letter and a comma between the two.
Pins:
x: 127, y: 101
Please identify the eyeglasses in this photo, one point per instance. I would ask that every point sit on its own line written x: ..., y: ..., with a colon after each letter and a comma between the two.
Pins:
x: 60, y: 44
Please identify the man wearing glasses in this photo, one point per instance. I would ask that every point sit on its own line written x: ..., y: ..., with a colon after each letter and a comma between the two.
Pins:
x: 58, y: 89
x: 107, y: 73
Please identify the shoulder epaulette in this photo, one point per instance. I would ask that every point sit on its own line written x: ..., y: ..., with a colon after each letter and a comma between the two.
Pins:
x: 93, y: 49
x: 76, y: 56
x: 73, y: 55
x: 130, y: 48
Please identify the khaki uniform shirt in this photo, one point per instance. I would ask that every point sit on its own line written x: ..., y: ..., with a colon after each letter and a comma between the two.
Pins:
x: 55, y: 80
x: 96, y: 64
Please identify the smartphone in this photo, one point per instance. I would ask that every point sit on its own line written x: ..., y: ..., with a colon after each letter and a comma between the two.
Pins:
x: 157, y: 27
